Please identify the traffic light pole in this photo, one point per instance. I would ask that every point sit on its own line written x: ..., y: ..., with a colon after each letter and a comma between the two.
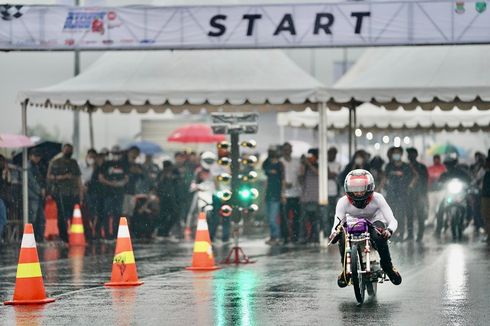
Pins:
x: 236, y: 255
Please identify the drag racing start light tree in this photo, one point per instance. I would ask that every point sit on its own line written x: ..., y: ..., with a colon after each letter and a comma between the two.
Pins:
x: 239, y: 201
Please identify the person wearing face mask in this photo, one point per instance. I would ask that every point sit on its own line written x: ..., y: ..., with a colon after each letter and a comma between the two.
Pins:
x: 65, y: 186
x: 399, y: 178
x: 359, y: 161
x: 113, y: 175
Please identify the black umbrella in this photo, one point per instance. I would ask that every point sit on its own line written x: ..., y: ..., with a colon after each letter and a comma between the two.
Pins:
x: 47, y: 149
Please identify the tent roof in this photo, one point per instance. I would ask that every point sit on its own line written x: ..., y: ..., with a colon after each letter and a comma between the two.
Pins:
x: 373, y: 118
x: 429, y: 76
x: 181, y: 80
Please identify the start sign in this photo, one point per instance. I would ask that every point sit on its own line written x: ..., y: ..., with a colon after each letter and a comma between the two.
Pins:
x: 324, y: 24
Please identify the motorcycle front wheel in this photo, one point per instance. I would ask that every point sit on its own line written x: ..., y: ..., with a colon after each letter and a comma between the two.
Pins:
x: 456, y: 217
x: 357, y: 277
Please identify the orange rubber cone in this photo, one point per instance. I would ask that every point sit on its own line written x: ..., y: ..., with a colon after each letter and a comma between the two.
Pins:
x: 202, y: 259
x: 187, y: 233
x: 77, y: 235
x: 29, y: 285
x: 124, y: 266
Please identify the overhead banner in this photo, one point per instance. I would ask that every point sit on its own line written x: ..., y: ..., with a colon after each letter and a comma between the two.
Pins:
x: 244, y: 26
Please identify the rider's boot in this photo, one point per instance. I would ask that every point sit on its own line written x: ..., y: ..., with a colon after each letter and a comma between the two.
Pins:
x: 342, y: 281
x: 394, y: 275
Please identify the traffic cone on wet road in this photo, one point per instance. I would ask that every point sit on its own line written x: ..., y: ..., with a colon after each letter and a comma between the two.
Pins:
x: 202, y: 258
x: 29, y: 285
x: 77, y: 235
x: 124, y: 266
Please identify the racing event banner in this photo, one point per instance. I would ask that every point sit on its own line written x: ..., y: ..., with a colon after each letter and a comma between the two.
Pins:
x: 244, y: 26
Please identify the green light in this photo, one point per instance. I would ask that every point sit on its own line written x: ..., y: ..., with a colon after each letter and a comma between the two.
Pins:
x: 245, y: 193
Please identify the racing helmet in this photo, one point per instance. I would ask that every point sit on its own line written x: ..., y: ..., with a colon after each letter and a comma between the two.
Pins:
x: 357, y: 181
x: 208, y: 159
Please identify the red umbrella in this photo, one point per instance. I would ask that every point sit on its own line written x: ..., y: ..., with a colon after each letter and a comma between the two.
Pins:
x: 195, y: 133
x: 14, y: 141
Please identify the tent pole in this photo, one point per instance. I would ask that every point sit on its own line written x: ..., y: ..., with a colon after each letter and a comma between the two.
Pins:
x: 323, y: 161
x: 350, y: 132
x: 25, y: 189
x: 91, y: 127
x: 354, y: 113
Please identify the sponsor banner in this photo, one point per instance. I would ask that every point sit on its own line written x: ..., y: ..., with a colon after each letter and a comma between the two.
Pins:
x: 244, y: 26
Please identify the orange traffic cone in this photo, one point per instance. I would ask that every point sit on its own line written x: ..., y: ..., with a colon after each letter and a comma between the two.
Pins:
x: 187, y: 233
x: 77, y: 235
x: 123, y: 266
x: 29, y: 286
x: 202, y: 259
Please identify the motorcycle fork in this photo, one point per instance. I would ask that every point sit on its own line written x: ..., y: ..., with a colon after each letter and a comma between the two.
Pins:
x: 348, y: 255
x: 367, y: 252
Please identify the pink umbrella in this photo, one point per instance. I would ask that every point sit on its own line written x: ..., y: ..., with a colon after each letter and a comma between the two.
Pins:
x: 195, y: 133
x: 15, y: 141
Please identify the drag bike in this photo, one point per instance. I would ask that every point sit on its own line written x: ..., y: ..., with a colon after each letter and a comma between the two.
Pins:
x: 453, y: 208
x: 361, y: 260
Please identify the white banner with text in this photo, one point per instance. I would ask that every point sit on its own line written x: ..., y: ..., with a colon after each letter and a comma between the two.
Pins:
x: 244, y: 26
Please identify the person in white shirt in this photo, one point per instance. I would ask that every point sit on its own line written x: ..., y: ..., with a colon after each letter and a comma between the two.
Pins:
x: 334, y: 170
x: 290, y: 218
x: 361, y: 201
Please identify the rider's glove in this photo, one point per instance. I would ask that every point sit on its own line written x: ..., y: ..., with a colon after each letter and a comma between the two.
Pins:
x: 386, y: 234
x: 334, y: 237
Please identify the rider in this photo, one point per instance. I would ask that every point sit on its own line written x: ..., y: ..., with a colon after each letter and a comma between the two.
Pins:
x: 454, y: 171
x: 361, y: 201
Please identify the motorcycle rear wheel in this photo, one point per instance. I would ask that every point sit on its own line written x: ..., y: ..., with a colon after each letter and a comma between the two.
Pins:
x: 357, y: 278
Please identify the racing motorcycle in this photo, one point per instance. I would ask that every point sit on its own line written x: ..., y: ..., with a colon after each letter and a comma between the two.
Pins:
x: 361, y: 260
x: 453, y: 208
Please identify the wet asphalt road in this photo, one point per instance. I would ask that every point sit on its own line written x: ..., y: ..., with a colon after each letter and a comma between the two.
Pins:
x: 443, y: 284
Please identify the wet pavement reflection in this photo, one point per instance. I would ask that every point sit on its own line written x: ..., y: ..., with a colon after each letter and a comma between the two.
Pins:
x: 444, y: 283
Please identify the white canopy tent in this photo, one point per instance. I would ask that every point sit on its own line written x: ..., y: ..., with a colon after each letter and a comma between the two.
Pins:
x: 215, y: 80
x: 447, y: 77
x: 232, y: 80
x: 372, y: 118
x: 429, y: 77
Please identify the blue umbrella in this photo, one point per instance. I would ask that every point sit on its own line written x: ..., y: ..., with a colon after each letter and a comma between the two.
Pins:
x: 147, y: 147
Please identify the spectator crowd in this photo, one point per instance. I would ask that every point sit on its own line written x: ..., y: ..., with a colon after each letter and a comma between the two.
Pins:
x: 157, y: 200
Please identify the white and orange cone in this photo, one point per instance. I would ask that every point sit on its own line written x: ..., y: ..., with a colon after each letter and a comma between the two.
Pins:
x: 77, y: 234
x: 202, y: 258
x: 124, y: 271
x: 29, y: 285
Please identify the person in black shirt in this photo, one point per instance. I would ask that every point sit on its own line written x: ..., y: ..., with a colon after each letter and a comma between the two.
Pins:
x: 274, y: 170
x: 114, y: 176
x: 359, y: 161
x: 419, y: 202
x: 399, y: 179
x: 96, y: 194
x: 168, y: 191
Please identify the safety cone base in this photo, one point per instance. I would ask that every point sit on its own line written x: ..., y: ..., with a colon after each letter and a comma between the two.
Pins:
x: 31, y: 302
x: 211, y: 268
x: 138, y: 283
